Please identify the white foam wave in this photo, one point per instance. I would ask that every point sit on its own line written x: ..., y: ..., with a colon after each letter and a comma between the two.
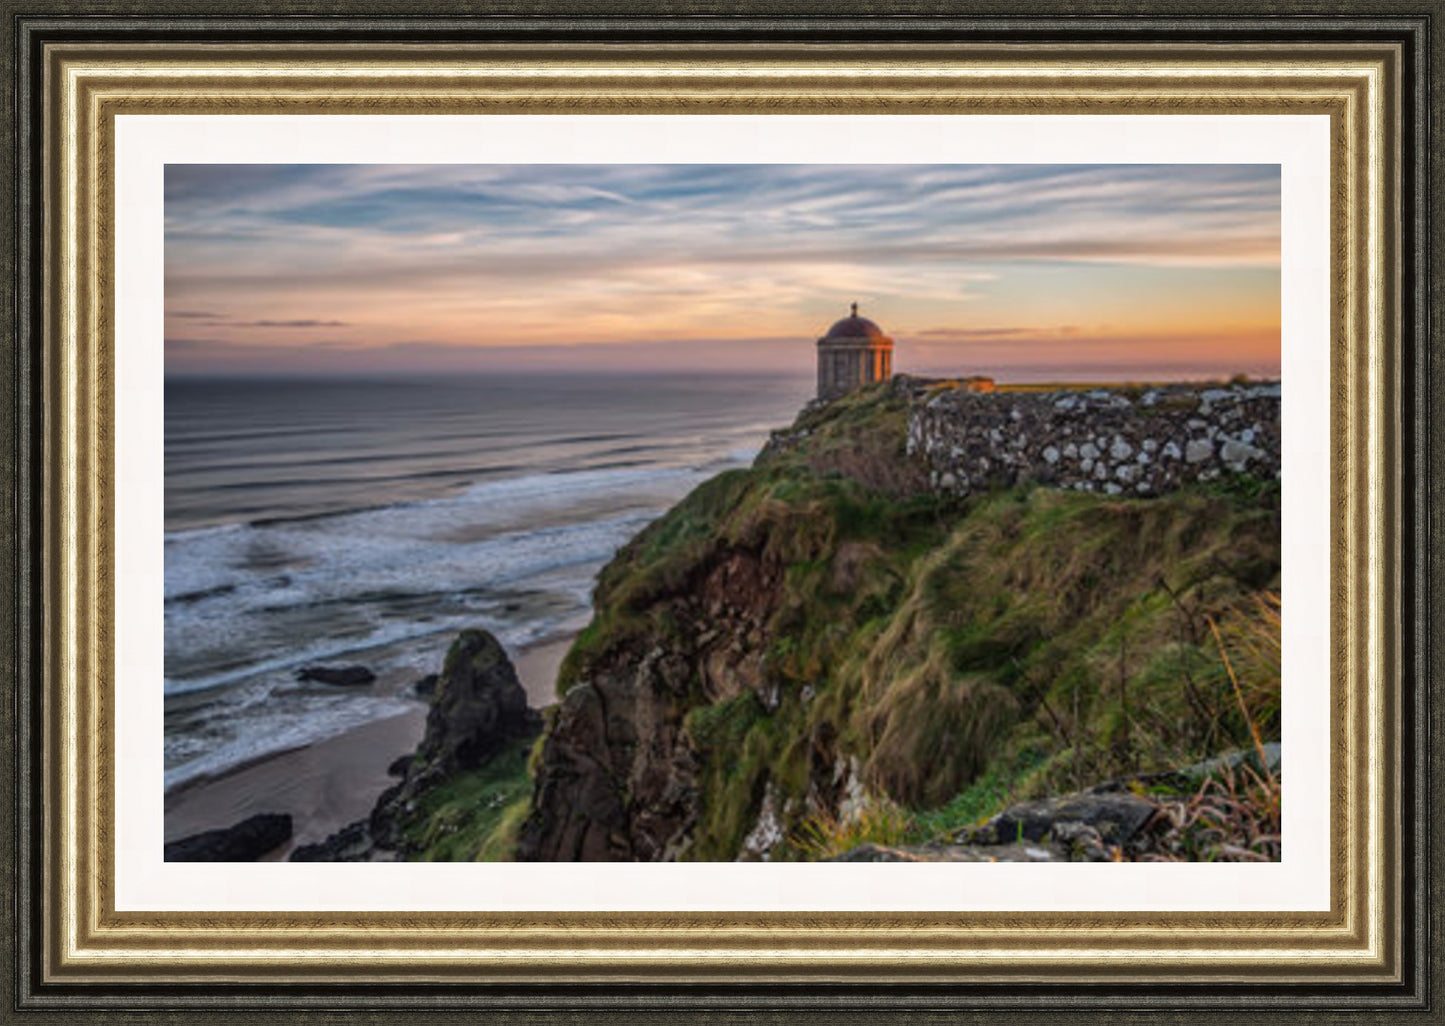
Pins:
x: 268, y: 735
x: 246, y: 605
x: 274, y: 596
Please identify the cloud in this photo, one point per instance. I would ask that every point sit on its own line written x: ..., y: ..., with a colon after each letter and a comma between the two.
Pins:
x: 304, y: 323
x: 970, y: 333
x: 221, y: 320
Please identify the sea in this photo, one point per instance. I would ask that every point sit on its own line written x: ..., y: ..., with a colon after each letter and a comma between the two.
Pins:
x: 362, y: 521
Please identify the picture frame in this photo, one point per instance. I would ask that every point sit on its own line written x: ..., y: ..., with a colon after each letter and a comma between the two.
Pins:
x: 1368, y: 956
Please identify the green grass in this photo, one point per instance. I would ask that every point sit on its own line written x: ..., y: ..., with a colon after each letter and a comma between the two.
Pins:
x: 988, y: 794
x: 474, y: 816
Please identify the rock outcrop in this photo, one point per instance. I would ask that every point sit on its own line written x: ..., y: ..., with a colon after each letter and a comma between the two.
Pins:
x: 478, y: 708
x: 246, y: 841
x: 1112, y: 822
x: 617, y: 777
x: 340, y: 676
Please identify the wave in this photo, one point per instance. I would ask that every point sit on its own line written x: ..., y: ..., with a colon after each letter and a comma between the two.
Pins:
x: 550, y: 489
x: 270, y: 735
x: 323, y: 651
x: 315, y: 592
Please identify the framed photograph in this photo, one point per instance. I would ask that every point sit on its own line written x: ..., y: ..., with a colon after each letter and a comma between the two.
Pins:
x: 549, y: 515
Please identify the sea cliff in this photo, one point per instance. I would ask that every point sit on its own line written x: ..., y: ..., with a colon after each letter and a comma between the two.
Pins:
x: 920, y: 604
x: 922, y: 626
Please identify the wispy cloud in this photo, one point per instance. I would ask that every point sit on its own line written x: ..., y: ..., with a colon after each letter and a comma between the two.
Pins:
x: 507, y: 255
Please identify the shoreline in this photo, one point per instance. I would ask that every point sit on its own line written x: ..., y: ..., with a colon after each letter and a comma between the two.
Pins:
x: 326, y: 785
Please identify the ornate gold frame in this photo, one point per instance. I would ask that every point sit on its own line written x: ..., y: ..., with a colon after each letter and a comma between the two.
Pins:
x: 1358, y: 942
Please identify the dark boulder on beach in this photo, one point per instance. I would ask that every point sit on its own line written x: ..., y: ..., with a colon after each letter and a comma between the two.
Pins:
x: 247, y: 841
x: 426, y: 687
x: 342, y: 676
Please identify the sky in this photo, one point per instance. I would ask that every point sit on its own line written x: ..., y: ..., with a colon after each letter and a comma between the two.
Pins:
x: 1020, y: 272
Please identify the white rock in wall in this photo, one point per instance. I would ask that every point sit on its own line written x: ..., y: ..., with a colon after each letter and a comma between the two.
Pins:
x: 1237, y: 455
x: 1198, y: 450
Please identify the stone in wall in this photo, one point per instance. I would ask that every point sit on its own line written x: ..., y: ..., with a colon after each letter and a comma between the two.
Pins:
x: 1117, y: 441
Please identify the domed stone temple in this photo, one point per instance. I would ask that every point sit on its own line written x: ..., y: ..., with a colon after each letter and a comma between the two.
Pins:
x: 855, y: 352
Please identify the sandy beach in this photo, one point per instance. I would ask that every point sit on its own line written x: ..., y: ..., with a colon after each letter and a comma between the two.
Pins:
x: 336, y: 781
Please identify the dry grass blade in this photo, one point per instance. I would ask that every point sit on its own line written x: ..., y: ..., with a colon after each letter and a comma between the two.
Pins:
x: 1239, y: 697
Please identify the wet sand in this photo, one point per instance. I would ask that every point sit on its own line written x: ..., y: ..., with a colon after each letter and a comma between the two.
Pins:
x: 333, y: 782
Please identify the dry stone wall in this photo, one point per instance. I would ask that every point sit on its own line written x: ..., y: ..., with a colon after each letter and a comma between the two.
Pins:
x: 1116, y: 441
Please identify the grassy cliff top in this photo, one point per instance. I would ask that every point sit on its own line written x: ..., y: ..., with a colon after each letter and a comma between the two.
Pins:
x: 861, y: 641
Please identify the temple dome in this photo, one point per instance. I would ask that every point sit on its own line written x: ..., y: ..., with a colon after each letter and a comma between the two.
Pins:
x: 854, y: 327
x: 853, y: 330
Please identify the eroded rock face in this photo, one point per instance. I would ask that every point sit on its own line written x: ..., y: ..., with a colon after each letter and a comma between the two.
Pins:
x: 618, y: 777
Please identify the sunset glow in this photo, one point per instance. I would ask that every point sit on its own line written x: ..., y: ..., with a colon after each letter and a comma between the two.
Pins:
x: 1022, y: 272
